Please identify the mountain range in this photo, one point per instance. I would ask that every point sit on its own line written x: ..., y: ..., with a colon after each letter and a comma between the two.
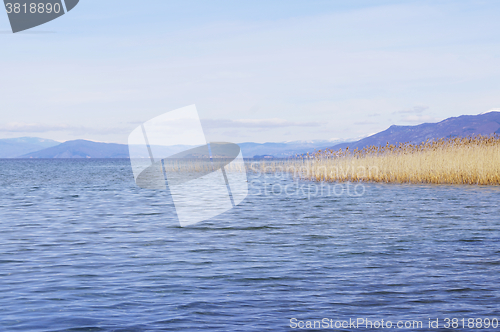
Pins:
x: 88, y: 149
x: 15, y: 147
x: 461, y: 126
x: 465, y: 125
x: 82, y: 149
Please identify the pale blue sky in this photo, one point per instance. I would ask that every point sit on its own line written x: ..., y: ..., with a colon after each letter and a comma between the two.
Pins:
x: 257, y: 70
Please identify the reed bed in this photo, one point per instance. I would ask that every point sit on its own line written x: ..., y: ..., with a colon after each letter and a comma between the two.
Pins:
x: 466, y: 160
x: 202, y: 165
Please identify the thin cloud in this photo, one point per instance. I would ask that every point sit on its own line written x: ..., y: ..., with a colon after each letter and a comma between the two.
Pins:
x: 421, y: 119
x: 256, y: 123
x: 15, y: 127
x: 23, y: 127
x: 365, y: 123
x: 413, y: 110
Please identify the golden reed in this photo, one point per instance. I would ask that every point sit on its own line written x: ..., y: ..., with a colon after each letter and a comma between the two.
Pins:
x: 466, y: 160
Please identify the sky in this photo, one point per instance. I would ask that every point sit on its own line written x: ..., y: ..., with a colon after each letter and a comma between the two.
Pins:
x: 257, y: 71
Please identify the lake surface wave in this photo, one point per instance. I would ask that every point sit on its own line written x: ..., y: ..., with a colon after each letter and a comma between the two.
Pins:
x: 83, y: 249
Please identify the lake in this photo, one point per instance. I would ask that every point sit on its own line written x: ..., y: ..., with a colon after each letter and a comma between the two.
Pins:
x: 83, y: 249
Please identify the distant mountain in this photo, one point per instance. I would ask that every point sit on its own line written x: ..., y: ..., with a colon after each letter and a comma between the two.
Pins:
x: 82, y: 149
x: 139, y: 151
x: 282, y: 150
x: 15, y: 147
x: 88, y: 149
x: 465, y: 125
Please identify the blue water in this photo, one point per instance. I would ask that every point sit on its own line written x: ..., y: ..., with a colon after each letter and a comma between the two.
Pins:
x: 83, y: 249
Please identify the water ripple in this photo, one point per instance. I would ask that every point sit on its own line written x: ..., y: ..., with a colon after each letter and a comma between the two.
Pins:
x: 83, y: 249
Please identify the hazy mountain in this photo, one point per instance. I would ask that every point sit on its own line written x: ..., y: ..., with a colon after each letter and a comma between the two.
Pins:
x: 465, y: 125
x: 88, y: 149
x: 139, y: 151
x: 82, y: 149
x: 15, y: 147
x: 282, y: 150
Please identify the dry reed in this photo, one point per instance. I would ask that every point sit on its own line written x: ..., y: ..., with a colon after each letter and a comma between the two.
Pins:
x: 467, y: 160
